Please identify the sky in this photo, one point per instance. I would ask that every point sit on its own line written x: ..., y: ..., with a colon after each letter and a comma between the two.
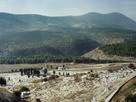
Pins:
x: 68, y: 7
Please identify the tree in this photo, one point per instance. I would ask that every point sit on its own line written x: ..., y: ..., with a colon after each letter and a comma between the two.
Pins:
x: 3, y: 81
x: 21, y: 70
x: 54, y: 72
x: 38, y: 100
x: 131, y: 65
x: 17, y: 93
x: 38, y: 73
x: 24, y: 89
x: 51, y: 67
x: 130, y: 98
x: 28, y: 74
x: 45, y: 71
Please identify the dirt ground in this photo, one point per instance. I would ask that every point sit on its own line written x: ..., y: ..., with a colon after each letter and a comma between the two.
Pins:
x: 72, y: 66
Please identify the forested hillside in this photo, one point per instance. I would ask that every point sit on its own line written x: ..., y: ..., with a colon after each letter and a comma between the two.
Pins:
x: 68, y: 41
x: 29, y: 34
x: 122, y: 49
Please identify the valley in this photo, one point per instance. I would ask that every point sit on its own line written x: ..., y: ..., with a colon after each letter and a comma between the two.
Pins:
x: 84, y: 58
x: 26, y: 35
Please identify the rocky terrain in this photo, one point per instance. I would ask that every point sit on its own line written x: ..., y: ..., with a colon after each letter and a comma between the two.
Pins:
x: 86, y: 82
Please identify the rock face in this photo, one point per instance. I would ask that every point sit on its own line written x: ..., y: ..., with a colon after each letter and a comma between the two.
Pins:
x: 6, y: 96
x: 100, y: 55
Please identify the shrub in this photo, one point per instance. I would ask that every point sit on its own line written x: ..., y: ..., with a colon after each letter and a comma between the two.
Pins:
x: 45, y: 71
x: 3, y: 81
x: 45, y: 79
x: 17, y: 93
x: 131, y: 65
x: 24, y: 89
x: 52, y: 77
x: 110, y: 70
x: 130, y: 98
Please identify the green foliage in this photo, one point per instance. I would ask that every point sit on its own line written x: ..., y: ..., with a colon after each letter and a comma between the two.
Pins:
x: 17, y: 93
x: 23, y: 35
x: 131, y: 65
x: 24, y: 89
x: 62, y: 41
x: 51, y: 58
x: 130, y: 98
x: 3, y: 81
x: 43, y: 59
x: 129, y: 93
x: 122, y: 49
x: 45, y: 79
x: 45, y: 71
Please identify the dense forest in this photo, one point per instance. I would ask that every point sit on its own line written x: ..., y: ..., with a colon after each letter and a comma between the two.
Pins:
x: 43, y: 59
x: 49, y: 58
x: 122, y: 49
x: 68, y: 41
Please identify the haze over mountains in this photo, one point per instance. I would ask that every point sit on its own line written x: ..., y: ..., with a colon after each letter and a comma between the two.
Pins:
x: 11, y: 22
x: 29, y: 34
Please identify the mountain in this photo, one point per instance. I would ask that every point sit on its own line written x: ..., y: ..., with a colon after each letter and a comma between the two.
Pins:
x: 111, y: 20
x: 30, y: 34
x: 70, y: 41
x: 40, y: 42
x: 29, y: 22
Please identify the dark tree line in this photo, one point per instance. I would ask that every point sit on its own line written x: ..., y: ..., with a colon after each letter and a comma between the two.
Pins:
x: 30, y: 72
x: 43, y: 59
x: 50, y: 58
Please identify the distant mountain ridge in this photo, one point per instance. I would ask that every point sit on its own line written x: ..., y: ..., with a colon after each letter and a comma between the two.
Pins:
x: 30, y: 34
x: 113, y: 20
x: 25, y: 22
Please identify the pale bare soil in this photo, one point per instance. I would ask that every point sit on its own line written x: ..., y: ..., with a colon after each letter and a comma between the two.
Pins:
x: 72, y: 66
x: 115, y: 85
x: 67, y: 89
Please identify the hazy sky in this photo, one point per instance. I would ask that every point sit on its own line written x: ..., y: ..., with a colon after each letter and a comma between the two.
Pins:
x: 68, y: 7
